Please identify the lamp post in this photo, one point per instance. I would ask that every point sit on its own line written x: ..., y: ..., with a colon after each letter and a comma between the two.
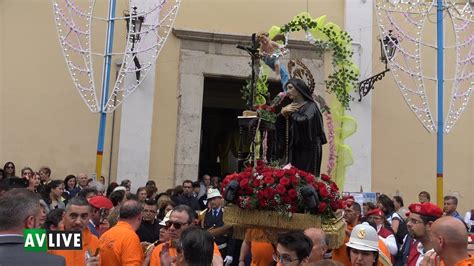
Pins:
x: 134, y: 31
x: 388, y: 47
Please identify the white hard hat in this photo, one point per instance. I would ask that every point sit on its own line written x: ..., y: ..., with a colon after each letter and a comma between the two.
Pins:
x: 364, y: 237
x: 212, y: 193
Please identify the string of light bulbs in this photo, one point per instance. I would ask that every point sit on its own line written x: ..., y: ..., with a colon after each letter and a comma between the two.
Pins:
x: 404, y: 17
x: 74, y: 26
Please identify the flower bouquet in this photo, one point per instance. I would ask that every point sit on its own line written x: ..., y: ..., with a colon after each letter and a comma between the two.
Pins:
x: 283, y: 199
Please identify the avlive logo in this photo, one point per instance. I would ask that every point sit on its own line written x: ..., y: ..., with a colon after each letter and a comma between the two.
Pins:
x: 40, y: 240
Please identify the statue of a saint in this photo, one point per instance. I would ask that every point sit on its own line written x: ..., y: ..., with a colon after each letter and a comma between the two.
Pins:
x: 300, y: 129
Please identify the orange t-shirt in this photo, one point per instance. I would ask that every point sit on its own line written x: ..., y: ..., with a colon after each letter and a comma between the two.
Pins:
x: 466, y: 262
x: 262, y: 252
x: 78, y: 257
x: 155, y: 255
x: 340, y: 254
x: 120, y: 245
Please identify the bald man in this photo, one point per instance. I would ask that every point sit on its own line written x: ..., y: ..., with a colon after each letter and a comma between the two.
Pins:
x: 449, y: 239
x: 318, y: 237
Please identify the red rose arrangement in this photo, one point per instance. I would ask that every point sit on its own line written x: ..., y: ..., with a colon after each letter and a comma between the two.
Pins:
x: 276, y: 189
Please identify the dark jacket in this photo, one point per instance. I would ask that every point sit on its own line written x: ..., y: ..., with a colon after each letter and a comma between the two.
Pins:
x: 12, y: 253
x: 225, y: 243
x: 149, y: 232
x: 192, y: 202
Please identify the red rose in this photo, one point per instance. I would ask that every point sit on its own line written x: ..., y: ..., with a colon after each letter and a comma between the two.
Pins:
x: 247, y: 190
x: 333, y: 186
x: 261, y: 194
x: 267, y: 174
x: 291, y: 172
x: 285, y: 181
x: 262, y: 203
x: 292, y: 193
x: 309, y: 179
x: 325, y: 177
x: 322, y: 206
x: 323, y: 192
x: 280, y: 189
x: 294, y: 180
x: 269, y: 180
x: 245, y: 175
x: 279, y: 173
x: 270, y: 192
x: 256, y: 183
x: 226, y: 181
x: 334, y: 205
x: 244, y: 182
x: 342, y: 204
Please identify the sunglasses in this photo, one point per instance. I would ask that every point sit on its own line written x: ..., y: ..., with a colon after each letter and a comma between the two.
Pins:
x: 176, y: 225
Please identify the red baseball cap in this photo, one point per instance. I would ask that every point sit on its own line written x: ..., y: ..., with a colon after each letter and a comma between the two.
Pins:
x: 426, y: 209
x: 100, y: 202
x: 376, y: 211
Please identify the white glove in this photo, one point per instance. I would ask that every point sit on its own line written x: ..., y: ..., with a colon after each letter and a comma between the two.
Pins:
x: 228, y: 260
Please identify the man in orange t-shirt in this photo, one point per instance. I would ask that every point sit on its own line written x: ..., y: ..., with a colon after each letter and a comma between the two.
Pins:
x: 352, y: 217
x: 449, y: 238
x: 120, y: 245
x: 75, y: 218
x: 181, y: 218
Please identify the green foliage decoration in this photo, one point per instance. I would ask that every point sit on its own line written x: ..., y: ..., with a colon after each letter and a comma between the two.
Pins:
x: 344, y: 77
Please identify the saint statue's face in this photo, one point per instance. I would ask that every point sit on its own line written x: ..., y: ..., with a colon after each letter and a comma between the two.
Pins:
x: 292, y: 92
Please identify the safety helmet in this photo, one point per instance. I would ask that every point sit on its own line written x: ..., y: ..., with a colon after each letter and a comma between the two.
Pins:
x: 364, y: 237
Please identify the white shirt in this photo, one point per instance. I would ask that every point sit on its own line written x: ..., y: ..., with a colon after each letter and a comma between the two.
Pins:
x: 420, y: 250
x: 468, y: 221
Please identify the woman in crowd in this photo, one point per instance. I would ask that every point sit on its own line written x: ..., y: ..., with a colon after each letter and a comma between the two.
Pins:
x: 54, y: 220
x: 386, y: 205
x: 393, y: 218
x: 163, y: 208
x: 141, y: 194
x: 111, y: 188
x: 53, y: 195
x: 34, y: 182
x: 70, y: 186
x: 376, y: 219
x: 41, y: 219
x: 26, y: 173
x: 399, y: 208
x: 9, y: 170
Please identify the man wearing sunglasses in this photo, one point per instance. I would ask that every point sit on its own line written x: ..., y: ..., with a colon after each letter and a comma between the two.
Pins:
x: 181, y: 218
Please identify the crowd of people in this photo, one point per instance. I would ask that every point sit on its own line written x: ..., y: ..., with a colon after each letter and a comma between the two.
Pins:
x: 185, y: 226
